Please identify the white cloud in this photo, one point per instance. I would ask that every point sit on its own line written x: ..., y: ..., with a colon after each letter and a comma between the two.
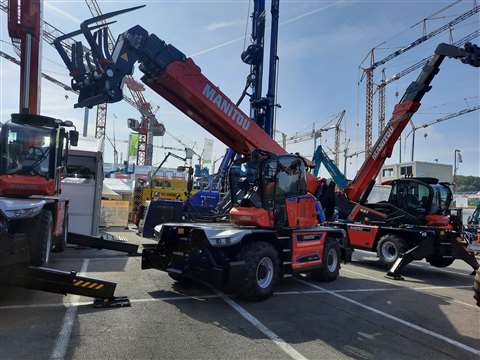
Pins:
x: 286, y: 22
x: 61, y: 12
x: 224, y: 24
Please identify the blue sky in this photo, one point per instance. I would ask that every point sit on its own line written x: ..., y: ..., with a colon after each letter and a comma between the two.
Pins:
x: 320, y: 48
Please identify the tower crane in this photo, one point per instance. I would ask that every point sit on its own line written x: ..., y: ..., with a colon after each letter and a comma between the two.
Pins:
x: 436, y: 121
x: 368, y: 73
x: 419, y: 64
x: 316, y: 134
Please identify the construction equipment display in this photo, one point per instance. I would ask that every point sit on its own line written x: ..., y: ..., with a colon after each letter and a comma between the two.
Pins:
x: 274, y: 224
x: 416, y: 220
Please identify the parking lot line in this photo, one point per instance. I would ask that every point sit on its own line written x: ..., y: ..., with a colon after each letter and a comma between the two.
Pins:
x: 396, y: 319
x: 204, y: 297
x: 282, y: 344
x: 371, y: 277
x: 449, y: 271
x: 63, y: 338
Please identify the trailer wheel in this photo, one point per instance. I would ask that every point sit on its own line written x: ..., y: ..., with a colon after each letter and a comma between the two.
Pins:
x: 262, y: 266
x: 331, y: 263
x: 41, y: 241
x: 476, y: 288
x: 439, y: 261
x: 389, y: 249
x: 61, y: 243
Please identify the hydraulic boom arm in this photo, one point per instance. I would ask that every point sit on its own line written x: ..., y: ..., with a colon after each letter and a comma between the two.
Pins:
x: 320, y: 157
x: 99, y: 78
x: 358, y: 189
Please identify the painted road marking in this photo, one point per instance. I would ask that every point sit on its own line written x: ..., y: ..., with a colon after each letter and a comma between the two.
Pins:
x: 396, y: 319
x: 277, y: 340
x: 204, y: 297
x: 63, y: 338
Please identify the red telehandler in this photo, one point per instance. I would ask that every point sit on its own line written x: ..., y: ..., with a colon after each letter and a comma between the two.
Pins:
x: 415, y: 222
x: 33, y: 161
x: 274, y: 224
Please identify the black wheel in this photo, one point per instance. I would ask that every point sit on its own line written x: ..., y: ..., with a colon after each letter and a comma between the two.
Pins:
x: 331, y: 263
x: 262, y: 266
x: 476, y: 288
x: 440, y: 262
x: 182, y: 280
x: 41, y: 240
x: 389, y: 248
x: 61, y: 242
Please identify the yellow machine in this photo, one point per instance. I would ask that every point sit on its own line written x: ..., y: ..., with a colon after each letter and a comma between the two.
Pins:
x: 166, y: 185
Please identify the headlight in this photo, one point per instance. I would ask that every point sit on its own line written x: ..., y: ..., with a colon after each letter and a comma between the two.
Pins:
x: 23, y: 213
x: 224, y: 241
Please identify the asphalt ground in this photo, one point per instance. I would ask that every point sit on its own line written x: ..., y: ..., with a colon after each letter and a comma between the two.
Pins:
x: 362, y: 315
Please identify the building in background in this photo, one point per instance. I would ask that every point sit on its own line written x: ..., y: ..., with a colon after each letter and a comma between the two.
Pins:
x: 442, y: 172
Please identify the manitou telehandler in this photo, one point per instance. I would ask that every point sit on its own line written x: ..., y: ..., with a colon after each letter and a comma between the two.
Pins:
x: 274, y: 226
x: 415, y: 222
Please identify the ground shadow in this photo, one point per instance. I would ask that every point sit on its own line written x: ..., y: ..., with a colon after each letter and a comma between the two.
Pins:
x: 308, y: 319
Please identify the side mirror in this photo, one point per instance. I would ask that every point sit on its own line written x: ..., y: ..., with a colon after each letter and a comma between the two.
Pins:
x: 73, y: 136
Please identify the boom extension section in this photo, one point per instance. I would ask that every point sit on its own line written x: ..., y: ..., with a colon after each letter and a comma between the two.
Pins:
x: 359, y: 188
x: 98, y: 77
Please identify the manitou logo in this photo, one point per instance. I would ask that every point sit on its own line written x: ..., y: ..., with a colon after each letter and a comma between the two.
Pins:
x: 386, y: 135
x: 226, y: 106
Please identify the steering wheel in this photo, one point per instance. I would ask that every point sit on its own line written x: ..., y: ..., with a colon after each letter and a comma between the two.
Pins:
x: 34, y: 153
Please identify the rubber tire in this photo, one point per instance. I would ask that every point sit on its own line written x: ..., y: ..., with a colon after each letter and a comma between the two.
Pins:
x: 324, y: 274
x: 400, y: 245
x: 440, y: 262
x: 61, y: 241
x: 476, y: 287
x: 182, y: 280
x: 252, y: 253
x: 41, y: 245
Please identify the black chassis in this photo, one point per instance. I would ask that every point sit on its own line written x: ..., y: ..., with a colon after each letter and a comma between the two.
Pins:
x: 424, y: 242
x: 184, y: 249
x: 14, y: 241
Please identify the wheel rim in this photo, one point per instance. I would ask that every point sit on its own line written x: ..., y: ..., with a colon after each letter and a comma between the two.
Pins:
x: 332, y: 260
x: 389, y: 251
x: 265, y: 272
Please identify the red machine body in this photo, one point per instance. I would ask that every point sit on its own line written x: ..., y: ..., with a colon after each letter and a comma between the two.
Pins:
x: 276, y: 220
x: 24, y: 185
x: 415, y: 222
x: 24, y: 26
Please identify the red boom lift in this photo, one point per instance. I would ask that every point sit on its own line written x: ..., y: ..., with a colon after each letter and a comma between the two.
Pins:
x: 34, y: 151
x: 416, y: 222
x: 274, y: 224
